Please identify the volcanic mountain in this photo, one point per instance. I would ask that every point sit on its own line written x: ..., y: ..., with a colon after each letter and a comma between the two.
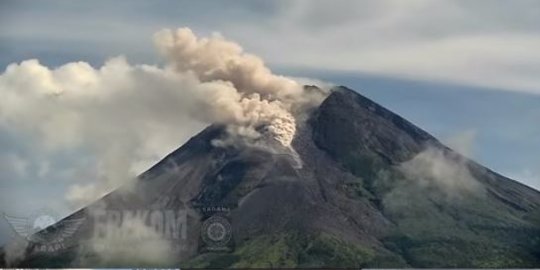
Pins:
x: 360, y: 187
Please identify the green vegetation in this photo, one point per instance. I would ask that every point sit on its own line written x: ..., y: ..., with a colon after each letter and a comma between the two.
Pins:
x: 290, y: 250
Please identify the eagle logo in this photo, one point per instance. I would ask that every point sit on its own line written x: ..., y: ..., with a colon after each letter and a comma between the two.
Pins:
x: 44, y: 226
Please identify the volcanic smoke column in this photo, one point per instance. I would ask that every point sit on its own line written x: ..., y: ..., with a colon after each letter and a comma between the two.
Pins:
x: 266, y: 99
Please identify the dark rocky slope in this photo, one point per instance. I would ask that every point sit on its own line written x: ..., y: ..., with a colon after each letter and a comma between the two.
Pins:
x: 354, y: 202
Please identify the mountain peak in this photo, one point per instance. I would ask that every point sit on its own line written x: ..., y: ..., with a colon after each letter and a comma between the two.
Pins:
x: 352, y: 202
x: 346, y: 120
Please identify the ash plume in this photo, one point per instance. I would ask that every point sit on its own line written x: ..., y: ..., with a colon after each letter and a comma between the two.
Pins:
x: 265, y: 99
x: 121, y: 118
x: 216, y: 58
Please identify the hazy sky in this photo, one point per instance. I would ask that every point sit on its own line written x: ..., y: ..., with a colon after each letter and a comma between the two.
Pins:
x: 466, y: 71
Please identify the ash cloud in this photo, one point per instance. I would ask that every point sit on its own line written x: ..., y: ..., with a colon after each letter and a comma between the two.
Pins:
x: 122, y: 118
x: 265, y: 97
x: 215, y: 58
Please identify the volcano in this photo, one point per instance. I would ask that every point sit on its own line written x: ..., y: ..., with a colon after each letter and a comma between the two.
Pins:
x: 359, y: 187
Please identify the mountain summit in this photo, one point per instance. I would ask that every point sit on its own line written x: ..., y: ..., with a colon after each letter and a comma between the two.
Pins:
x: 359, y: 187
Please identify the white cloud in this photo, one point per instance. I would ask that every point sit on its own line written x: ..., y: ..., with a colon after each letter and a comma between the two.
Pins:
x: 126, y: 117
x: 119, y: 114
x: 446, y: 170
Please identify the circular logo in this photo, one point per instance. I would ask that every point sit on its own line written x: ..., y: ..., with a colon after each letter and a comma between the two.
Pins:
x: 216, y: 231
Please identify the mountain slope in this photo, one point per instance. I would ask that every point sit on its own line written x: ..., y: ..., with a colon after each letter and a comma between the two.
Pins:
x: 362, y: 188
x: 486, y: 221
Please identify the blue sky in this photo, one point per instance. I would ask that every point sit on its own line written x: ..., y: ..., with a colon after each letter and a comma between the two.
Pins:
x: 451, y: 67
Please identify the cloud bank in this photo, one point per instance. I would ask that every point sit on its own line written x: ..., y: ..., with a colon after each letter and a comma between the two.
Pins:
x: 480, y: 43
